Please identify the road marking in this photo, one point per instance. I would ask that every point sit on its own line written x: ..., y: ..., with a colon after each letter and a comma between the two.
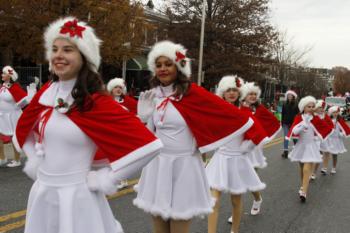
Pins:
x: 12, y: 226
x: 123, y: 192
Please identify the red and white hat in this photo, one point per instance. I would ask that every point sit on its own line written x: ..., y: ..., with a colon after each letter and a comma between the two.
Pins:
x: 227, y: 82
x: 250, y: 87
x: 321, y: 104
x: 333, y: 109
x: 116, y: 82
x: 291, y: 92
x: 305, y: 101
x: 77, y: 32
x: 10, y: 71
x: 175, y: 52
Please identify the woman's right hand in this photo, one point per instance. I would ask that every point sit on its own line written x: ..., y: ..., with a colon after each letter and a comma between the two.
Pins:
x: 145, y: 105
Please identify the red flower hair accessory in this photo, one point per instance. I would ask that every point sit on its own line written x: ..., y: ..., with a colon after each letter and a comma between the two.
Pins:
x: 72, y: 28
x: 238, y: 82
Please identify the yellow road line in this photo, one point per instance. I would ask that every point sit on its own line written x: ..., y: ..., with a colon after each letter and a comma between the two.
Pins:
x: 12, y: 226
x: 12, y: 215
x: 19, y: 224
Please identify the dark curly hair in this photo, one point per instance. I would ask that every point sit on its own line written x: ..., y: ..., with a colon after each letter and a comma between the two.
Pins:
x: 88, y: 83
x: 181, y: 85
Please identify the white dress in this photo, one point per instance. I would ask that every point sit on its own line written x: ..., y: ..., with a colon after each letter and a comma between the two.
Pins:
x: 231, y: 171
x: 336, y: 140
x: 60, y: 200
x: 257, y: 158
x: 174, y: 184
x: 9, y: 112
x: 307, y: 149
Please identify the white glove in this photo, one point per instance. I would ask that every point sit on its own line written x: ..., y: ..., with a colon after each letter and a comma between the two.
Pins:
x: 302, y: 126
x: 246, y: 146
x: 32, y: 165
x: 31, y: 91
x: 145, y: 105
x: 102, y: 180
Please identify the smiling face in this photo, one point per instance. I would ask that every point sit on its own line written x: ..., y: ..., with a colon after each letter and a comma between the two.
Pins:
x: 166, y: 70
x: 319, y: 110
x: 66, y: 59
x: 117, y: 91
x: 309, y: 108
x: 251, y: 98
x: 231, y: 95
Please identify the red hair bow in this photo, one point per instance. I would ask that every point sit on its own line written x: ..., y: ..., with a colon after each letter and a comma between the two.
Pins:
x: 238, y: 82
x: 72, y: 28
x: 179, y: 56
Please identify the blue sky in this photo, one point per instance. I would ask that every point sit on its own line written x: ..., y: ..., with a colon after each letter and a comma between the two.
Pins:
x: 323, y: 25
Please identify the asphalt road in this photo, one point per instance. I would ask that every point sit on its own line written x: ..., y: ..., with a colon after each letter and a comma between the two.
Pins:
x: 327, y: 209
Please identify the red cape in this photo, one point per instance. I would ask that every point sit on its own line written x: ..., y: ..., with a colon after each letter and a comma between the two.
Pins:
x: 321, y: 128
x: 267, y: 120
x: 130, y: 103
x: 212, y: 121
x: 115, y: 131
x: 344, y: 127
x: 18, y: 94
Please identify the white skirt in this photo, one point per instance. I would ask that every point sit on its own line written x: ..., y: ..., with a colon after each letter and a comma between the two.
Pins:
x: 336, y: 145
x: 174, y: 187
x: 8, y: 122
x: 325, y: 145
x: 233, y: 173
x: 257, y: 158
x: 306, y: 152
x: 64, y: 204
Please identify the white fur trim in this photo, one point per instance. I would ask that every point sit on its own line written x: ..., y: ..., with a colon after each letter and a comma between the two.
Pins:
x: 333, y: 109
x: 168, y: 213
x: 226, y: 139
x: 293, y: 93
x: 169, y: 49
x: 137, y: 154
x: 227, y: 82
x: 305, y: 101
x: 319, y: 104
x: 10, y: 71
x: 88, y: 44
x: 248, y: 88
x: 102, y: 180
x: 116, y: 82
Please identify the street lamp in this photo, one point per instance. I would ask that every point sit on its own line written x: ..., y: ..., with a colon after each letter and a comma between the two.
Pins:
x: 201, y: 46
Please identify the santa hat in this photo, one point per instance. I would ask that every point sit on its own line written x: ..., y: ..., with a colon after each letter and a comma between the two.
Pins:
x: 116, y: 82
x: 175, y: 52
x: 291, y: 92
x: 321, y: 104
x: 227, y: 82
x: 10, y: 71
x: 249, y: 87
x: 77, y: 32
x: 333, y: 109
x: 305, y: 101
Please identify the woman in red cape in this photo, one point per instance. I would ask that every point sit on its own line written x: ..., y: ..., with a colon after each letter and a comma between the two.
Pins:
x: 230, y: 169
x: 189, y: 120
x: 12, y: 99
x: 307, y: 150
x: 250, y: 94
x: 60, y: 131
x: 336, y: 140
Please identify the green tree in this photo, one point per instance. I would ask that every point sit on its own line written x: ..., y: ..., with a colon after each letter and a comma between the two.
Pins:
x: 238, y: 35
x: 117, y: 22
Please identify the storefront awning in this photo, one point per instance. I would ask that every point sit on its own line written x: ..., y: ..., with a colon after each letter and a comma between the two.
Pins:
x: 137, y: 63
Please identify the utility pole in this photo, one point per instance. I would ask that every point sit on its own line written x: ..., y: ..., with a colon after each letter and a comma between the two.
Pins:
x: 200, y: 65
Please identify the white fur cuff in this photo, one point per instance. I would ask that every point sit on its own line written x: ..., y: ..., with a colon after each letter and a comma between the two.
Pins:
x: 102, y: 180
x: 31, y: 166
